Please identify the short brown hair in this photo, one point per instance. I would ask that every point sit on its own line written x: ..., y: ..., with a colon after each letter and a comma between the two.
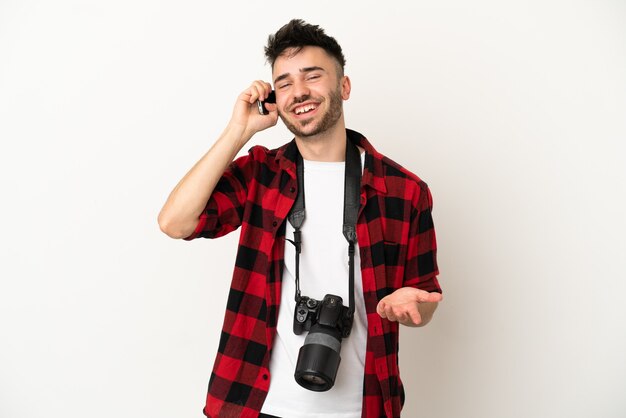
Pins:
x: 297, y: 34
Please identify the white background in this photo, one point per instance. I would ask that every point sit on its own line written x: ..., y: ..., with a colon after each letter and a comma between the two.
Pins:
x: 513, y: 112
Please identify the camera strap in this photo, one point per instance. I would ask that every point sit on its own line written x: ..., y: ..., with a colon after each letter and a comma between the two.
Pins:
x: 351, y: 205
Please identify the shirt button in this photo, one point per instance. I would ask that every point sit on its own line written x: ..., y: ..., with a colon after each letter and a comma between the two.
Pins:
x: 274, y: 223
x: 265, y: 377
x: 293, y: 189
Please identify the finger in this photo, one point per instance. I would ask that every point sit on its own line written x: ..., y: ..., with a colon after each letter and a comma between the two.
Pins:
x: 381, y: 309
x: 402, y: 317
x: 251, y: 95
x: 424, y: 296
x: 415, y: 317
x: 264, y: 89
x: 257, y: 91
x: 402, y: 313
x: 390, y: 314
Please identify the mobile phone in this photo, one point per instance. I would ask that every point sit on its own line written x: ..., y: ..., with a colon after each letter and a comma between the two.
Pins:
x: 271, y: 98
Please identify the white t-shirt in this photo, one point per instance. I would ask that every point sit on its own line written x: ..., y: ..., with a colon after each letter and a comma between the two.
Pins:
x: 323, y: 270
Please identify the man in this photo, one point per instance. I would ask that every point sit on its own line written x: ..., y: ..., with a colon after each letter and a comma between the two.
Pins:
x: 396, y: 283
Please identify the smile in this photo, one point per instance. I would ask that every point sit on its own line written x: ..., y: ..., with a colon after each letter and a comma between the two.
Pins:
x: 304, y: 109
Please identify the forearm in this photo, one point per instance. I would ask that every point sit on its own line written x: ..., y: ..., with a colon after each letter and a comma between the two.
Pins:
x: 179, y: 216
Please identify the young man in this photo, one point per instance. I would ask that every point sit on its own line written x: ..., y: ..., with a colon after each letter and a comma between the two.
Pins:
x: 395, y: 278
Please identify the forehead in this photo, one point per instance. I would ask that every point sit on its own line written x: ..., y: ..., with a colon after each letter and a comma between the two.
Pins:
x: 291, y: 60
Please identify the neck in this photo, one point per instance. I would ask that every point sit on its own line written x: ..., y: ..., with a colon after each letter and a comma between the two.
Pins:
x: 327, y: 146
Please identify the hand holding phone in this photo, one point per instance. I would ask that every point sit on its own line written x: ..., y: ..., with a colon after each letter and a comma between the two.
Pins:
x: 271, y: 98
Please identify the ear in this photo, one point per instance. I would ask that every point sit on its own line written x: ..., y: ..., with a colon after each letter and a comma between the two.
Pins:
x: 345, y: 87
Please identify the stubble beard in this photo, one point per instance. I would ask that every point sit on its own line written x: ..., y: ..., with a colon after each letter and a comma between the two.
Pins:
x: 329, y: 119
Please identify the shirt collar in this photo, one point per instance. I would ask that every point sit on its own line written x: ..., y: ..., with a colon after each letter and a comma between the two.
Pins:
x: 373, y: 172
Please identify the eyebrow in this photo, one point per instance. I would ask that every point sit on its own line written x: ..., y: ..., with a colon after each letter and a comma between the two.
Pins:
x: 302, y: 70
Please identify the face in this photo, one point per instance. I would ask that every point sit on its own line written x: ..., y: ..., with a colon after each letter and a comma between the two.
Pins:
x: 309, y: 91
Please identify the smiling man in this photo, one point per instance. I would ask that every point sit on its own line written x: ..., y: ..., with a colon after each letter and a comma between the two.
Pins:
x: 306, y: 333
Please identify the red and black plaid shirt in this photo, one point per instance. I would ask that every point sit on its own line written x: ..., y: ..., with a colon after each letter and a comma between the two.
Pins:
x: 397, y: 246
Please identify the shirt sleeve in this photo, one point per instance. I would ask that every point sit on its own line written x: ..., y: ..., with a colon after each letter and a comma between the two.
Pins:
x: 224, y: 210
x: 421, y: 270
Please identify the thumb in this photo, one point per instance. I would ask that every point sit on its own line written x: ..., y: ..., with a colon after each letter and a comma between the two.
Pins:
x: 424, y: 296
x: 271, y: 107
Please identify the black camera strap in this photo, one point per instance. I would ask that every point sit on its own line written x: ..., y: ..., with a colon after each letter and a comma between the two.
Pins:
x: 351, y: 204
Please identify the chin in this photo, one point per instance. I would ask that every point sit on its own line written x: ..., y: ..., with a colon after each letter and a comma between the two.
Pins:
x: 309, y: 131
x: 310, y: 128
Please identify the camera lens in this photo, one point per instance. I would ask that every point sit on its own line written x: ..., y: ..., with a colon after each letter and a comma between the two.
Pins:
x: 312, y: 379
x: 318, y: 359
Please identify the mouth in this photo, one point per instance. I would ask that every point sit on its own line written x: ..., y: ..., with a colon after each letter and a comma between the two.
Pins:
x: 305, y: 110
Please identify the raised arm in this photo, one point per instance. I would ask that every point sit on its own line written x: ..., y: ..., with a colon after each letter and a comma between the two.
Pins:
x: 179, y: 216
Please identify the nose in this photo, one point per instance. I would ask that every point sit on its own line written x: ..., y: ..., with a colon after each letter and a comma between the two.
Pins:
x: 300, y: 91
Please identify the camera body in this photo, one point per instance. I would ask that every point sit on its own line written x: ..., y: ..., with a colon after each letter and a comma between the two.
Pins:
x: 328, y: 312
x: 328, y: 322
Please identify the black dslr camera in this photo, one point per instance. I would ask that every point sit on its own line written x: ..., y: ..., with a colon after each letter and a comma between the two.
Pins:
x: 327, y: 321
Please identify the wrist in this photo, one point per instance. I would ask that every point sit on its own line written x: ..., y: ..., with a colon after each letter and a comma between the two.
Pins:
x: 237, y: 134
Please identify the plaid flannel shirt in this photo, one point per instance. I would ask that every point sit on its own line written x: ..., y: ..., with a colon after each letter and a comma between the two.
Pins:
x: 397, y: 246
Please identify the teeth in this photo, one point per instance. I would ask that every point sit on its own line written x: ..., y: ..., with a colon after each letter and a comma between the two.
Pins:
x: 304, y: 109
